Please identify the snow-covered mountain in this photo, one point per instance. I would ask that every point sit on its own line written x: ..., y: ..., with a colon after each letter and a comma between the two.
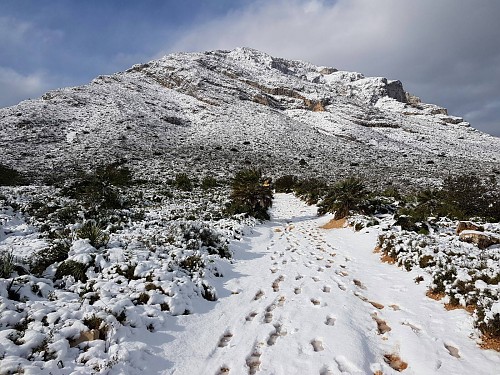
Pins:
x: 219, y: 110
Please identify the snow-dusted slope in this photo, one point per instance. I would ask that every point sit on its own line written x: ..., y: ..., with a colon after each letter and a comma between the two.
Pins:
x: 220, y: 110
x: 305, y: 300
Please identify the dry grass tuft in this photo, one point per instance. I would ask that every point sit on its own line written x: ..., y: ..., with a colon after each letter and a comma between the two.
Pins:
x: 489, y: 342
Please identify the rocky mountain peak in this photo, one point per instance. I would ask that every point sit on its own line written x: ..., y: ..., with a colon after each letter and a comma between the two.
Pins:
x: 223, y: 109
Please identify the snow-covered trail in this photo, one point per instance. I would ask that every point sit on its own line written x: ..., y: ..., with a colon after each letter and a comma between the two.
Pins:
x: 305, y: 300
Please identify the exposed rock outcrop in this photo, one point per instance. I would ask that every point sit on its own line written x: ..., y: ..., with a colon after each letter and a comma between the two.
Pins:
x: 481, y: 239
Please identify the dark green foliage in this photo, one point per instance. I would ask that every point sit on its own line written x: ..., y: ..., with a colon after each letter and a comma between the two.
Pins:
x: 99, y: 189
x: 285, y: 184
x: 10, y: 177
x: 67, y: 215
x: 192, y: 263
x: 7, y: 264
x: 183, y: 182
x: 461, y: 197
x: 142, y: 299
x: 491, y: 328
x: 72, y: 268
x: 128, y: 272
x: 310, y: 190
x: 209, y: 182
x: 251, y: 194
x: 208, y: 292
x: 57, y: 252
x: 94, y: 233
x: 466, y: 196
x: 344, y: 196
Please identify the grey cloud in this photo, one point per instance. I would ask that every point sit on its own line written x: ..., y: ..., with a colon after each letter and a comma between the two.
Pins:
x: 445, y: 52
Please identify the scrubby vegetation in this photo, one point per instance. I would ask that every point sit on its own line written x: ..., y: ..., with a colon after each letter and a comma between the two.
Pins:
x: 419, y: 231
x: 345, y: 196
x: 251, y: 194
x: 100, y: 244
x: 10, y: 177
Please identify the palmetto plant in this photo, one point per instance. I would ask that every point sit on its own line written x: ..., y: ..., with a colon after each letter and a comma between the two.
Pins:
x: 344, y: 196
x: 96, y: 236
x: 250, y: 194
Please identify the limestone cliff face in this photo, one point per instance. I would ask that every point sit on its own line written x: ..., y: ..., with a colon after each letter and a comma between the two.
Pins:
x: 220, y: 110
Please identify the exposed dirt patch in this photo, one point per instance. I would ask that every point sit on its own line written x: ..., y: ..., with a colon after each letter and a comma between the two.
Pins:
x: 382, y: 326
x: 395, y: 362
x: 437, y: 296
x: 469, y: 308
x: 377, y: 250
x: 386, y: 258
x: 335, y: 224
x: 376, y: 305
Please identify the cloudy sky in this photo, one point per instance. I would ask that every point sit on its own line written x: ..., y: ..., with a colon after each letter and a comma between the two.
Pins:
x: 447, y: 51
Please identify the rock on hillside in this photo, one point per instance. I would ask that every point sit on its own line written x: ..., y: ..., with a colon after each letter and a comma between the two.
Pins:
x: 220, y: 110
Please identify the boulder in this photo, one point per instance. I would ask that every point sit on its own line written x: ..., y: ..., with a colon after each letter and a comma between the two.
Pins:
x: 468, y: 225
x: 481, y: 239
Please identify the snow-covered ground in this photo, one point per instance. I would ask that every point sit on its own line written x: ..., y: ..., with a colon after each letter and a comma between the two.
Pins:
x: 299, y: 299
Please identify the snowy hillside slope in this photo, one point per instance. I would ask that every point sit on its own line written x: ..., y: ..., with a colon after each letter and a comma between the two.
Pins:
x: 220, y: 110
x: 300, y: 300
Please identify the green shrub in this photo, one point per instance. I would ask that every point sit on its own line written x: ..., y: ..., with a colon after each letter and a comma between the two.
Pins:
x: 7, y: 264
x: 10, y: 177
x: 72, y: 268
x: 310, y: 190
x: 285, y: 184
x: 192, y: 263
x: 209, y: 182
x: 94, y: 233
x: 251, y: 194
x: 100, y: 188
x: 344, y: 196
x: 183, y: 182
x: 57, y: 252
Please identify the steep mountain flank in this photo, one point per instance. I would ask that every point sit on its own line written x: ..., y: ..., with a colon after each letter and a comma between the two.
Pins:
x: 220, y: 110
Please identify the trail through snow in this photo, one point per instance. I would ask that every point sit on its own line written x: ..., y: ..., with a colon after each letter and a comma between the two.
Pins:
x: 304, y: 300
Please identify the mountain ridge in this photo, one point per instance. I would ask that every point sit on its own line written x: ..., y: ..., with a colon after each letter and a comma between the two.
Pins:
x: 220, y: 110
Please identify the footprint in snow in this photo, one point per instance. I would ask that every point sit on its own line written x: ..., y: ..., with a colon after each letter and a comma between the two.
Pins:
x: 317, y: 345
x: 326, y: 289
x: 330, y: 321
x: 279, y: 331
x: 452, y: 350
x: 326, y: 371
x: 258, y: 295
x: 276, y: 283
x: 382, y: 326
x: 223, y: 370
x: 413, y: 327
x: 316, y: 278
x: 315, y: 301
x: 224, y: 340
x: 297, y: 290
x: 376, y: 305
x: 250, y: 316
x: 359, y: 284
x: 253, y: 361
